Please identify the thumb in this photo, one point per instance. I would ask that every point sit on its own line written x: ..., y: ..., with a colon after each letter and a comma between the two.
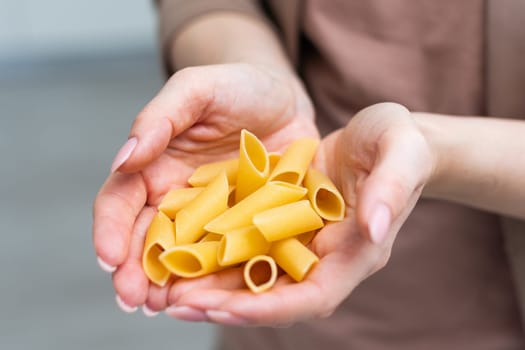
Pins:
x: 176, y: 107
x: 392, y: 188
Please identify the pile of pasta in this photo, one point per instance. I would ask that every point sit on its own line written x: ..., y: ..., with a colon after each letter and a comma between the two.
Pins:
x: 261, y: 210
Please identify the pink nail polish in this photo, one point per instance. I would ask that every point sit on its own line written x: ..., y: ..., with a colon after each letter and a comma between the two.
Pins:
x: 187, y: 313
x: 125, y: 307
x: 379, y: 223
x: 148, y: 312
x: 105, y: 266
x: 226, y: 317
x: 123, y: 154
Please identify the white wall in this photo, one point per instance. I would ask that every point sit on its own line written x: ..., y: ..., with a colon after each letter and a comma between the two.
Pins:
x: 38, y: 28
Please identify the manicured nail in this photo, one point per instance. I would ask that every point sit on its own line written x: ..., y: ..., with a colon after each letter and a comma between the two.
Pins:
x: 105, y: 266
x: 187, y: 313
x: 225, y: 317
x: 379, y: 223
x: 123, y: 306
x: 148, y: 312
x: 123, y: 154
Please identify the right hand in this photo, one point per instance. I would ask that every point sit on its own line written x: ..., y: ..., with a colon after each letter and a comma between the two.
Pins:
x: 196, y: 118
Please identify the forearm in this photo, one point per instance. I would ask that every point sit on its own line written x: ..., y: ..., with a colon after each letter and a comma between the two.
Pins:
x: 225, y: 37
x: 479, y: 161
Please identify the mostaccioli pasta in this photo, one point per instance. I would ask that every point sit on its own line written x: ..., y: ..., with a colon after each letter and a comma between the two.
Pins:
x: 261, y: 209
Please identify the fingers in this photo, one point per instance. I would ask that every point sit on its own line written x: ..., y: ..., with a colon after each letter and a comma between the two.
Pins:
x: 116, y: 207
x: 131, y: 284
x: 401, y: 166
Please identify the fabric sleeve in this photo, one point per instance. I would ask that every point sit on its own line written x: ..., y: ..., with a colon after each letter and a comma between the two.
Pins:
x: 175, y: 14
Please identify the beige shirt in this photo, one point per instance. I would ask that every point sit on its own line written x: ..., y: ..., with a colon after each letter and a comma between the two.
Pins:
x: 447, y: 285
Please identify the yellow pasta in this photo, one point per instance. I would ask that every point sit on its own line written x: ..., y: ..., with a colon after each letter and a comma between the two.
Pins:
x: 191, y: 260
x: 295, y: 161
x: 240, y: 215
x: 240, y: 245
x: 293, y: 257
x: 204, y: 174
x: 211, y: 237
x: 324, y: 196
x: 253, y: 165
x: 260, y: 273
x: 287, y: 220
x: 306, y: 238
x: 160, y: 236
x: 273, y: 158
x: 177, y: 199
x: 212, y: 201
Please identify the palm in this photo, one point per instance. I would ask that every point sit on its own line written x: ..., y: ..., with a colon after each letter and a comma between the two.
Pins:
x: 276, y: 111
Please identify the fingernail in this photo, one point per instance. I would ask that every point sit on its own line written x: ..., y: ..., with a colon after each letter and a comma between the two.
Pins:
x: 148, y: 312
x: 123, y: 306
x: 186, y: 313
x: 105, y: 266
x: 123, y: 154
x: 226, y: 317
x: 379, y: 223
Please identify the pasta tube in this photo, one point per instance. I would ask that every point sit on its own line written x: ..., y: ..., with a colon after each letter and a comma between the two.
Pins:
x: 212, y: 201
x: 253, y: 165
x: 240, y: 245
x: 260, y: 273
x: 211, y: 237
x: 287, y: 220
x: 274, y: 158
x: 268, y: 196
x: 293, y: 257
x: 306, y: 238
x: 324, y: 196
x: 295, y: 161
x: 177, y: 199
x: 204, y: 174
x: 159, y: 237
x: 191, y: 260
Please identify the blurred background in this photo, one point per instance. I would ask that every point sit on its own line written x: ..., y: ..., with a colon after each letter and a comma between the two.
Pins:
x: 73, y: 75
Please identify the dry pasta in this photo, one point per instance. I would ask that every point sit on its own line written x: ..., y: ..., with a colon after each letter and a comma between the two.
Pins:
x: 261, y: 210
x: 160, y: 236
x: 192, y: 260
x: 324, y: 196
x: 293, y: 257
x: 260, y: 273
x: 240, y: 245
x: 298, y: 216
x: 254, y: 166
x: 295, y: 161
x: 212, y: 201
x: 177, y: 199
x: 207, y: 172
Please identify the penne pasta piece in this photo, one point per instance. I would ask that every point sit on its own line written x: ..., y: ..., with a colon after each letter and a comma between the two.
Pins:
x: 324, y: 196
x: 211, y: 237
x: 273, y: 158
x: 212, y: 201
x: 204, y: 174
x: 307, y: 237
x: 293, y: 257
x: 295, y: 161
x: 272, y: 194
x: 191, y: 260
x: 241, y: 245
x: 253, y: 165
x: 260, y: 273
x: 287, y: 221
x: 177, y: 199
x: 159, y: 237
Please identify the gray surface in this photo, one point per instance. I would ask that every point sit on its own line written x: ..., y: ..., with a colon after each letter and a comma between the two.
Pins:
x: 61, y: 122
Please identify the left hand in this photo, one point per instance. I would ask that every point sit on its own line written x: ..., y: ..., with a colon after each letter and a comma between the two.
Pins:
x: 381, y: 162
